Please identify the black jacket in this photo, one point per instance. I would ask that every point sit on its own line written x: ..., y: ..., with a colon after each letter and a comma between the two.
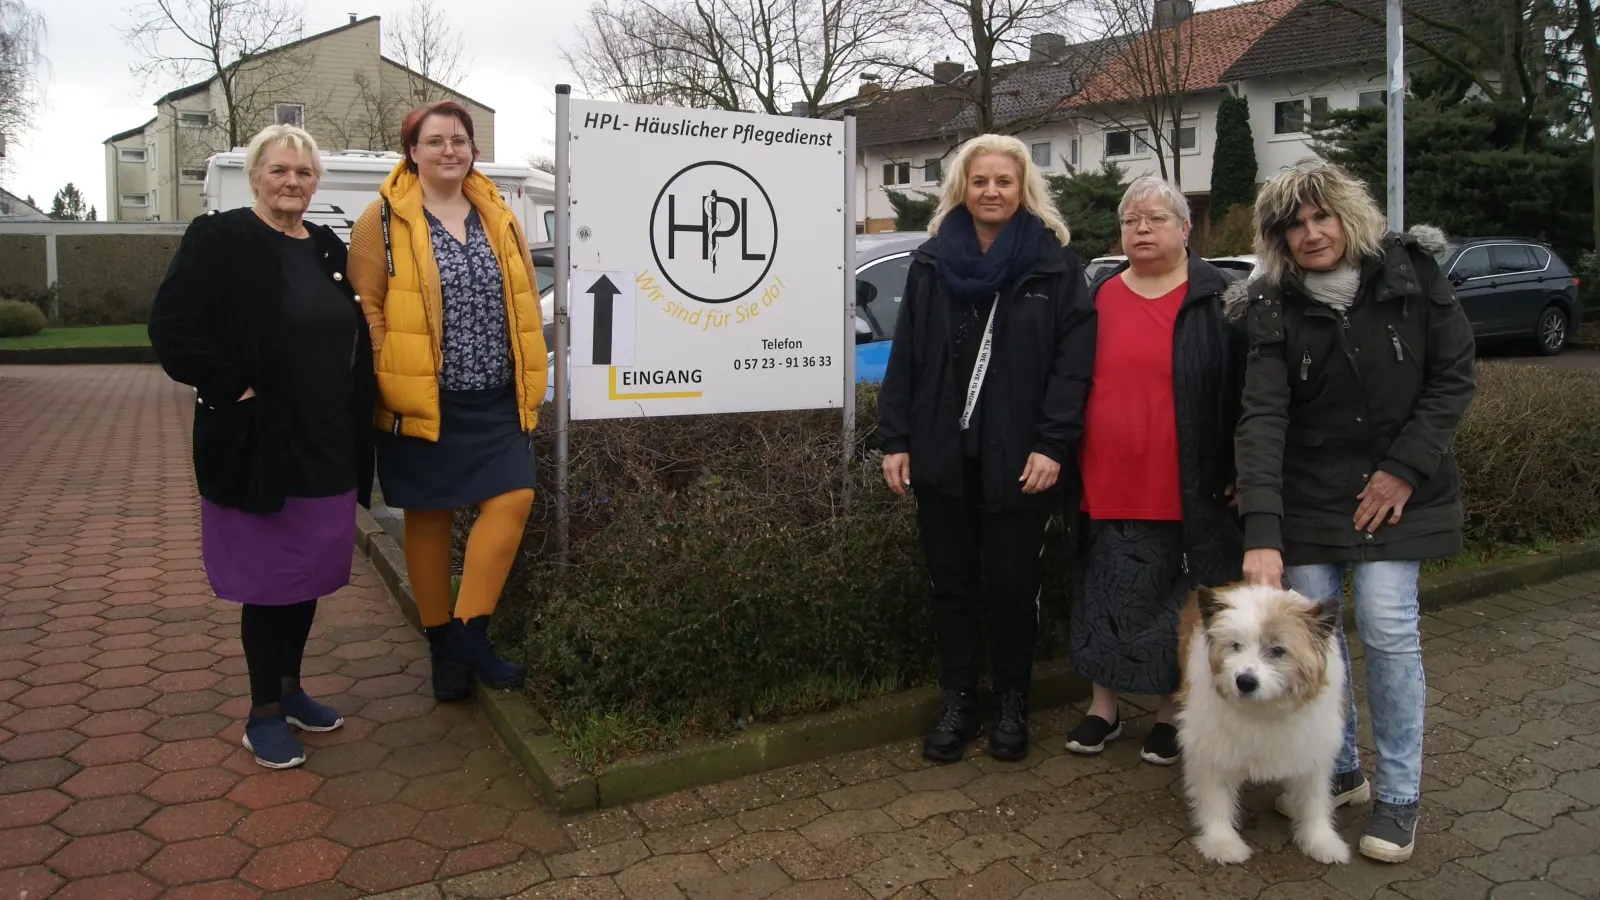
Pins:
x: 1033, y: 394
x: 1330, y: 399
x: 215, y: 325
x: 1208, y: 364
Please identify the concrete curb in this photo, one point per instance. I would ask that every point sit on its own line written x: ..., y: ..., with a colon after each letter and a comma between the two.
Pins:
x: 76, y: 356
x: 872, y: 723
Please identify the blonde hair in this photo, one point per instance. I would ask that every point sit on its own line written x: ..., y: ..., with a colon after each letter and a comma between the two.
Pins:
x: 1328, y: 188
x: 1035, y: 198
x: 274, y: 136
x: 1147, y: 186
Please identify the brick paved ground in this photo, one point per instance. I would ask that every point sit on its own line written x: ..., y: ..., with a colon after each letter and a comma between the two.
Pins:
x: 109, y: 790
x: 122, y: 689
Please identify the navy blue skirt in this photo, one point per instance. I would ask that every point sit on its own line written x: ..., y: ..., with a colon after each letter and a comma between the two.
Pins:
x: 481, y: 452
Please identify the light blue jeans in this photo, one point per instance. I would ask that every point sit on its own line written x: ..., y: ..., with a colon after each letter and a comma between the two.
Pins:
x: 1387, y: 620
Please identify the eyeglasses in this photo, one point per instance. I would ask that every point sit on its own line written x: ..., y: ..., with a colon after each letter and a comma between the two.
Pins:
x: 1156, y: 220
x: 436, y: 144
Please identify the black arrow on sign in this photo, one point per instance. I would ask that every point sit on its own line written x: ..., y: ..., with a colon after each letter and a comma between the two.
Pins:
x: 604, y: 292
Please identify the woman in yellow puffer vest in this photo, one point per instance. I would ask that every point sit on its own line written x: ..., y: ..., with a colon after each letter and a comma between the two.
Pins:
x: 447, y: 285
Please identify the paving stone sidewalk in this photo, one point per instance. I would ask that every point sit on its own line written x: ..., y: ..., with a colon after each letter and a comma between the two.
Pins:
x: 123, y: 687
x: 108, y: 793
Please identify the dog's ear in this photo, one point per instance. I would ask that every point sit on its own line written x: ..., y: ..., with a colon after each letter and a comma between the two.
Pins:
x: 1210, y: 603
x: 1326, y: 618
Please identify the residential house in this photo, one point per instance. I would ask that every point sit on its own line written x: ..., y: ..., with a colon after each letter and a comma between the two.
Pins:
x: 1086, y: 104
x: 15, y: 209
x: 336, y: 84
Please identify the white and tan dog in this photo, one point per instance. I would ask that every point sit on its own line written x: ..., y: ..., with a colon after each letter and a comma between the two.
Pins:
x: 1262, y: 701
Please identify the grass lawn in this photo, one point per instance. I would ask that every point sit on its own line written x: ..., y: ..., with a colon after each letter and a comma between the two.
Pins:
x: 81, y: 336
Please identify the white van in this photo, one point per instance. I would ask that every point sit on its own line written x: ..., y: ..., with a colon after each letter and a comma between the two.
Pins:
x: 352, y: 179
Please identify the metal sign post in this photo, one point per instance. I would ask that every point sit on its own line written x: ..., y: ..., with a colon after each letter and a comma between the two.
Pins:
x: 849, y: 354
x: 1397, y: 116
x: 563, y: 274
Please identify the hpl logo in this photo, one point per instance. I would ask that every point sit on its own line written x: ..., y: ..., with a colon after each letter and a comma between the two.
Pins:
x: 723, y: 246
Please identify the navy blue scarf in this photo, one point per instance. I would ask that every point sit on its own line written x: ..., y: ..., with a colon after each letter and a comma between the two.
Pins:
x: 971, y: 274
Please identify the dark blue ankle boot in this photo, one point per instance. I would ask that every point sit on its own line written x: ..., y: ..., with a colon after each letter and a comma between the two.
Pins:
x: 469, y: 646
x: 450, y: 681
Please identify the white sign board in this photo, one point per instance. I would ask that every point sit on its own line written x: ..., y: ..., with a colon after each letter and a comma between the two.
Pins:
x: 707, y: 261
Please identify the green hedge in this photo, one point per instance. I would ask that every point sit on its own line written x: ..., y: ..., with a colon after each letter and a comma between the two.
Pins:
x: 713, y: 580
x: 20, y: 319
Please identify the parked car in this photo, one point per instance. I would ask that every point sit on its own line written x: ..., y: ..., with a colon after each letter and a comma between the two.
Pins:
x: 1238, y: 268
x: 1514, y: 288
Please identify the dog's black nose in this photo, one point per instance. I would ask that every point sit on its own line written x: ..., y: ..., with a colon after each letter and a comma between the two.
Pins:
x: 1247, y: 683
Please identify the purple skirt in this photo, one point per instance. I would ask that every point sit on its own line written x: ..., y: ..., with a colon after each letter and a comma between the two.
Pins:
x: 299, y: 553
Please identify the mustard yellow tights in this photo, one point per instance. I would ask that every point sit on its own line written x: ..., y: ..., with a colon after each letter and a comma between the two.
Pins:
x: 491, y: 549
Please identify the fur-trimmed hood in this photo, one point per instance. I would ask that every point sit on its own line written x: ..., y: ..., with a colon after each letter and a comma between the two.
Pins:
x: 1428, y: 238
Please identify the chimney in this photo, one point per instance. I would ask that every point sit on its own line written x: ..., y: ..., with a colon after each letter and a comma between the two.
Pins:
x: 352, y: 18
x: 798, y: 109
x: 869, y: 85
x: 947, y: 71
x: 1047, y: 47
x: 1172, y: 12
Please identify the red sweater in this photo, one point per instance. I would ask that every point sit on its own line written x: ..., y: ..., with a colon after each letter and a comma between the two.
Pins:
x: 1130, y: 440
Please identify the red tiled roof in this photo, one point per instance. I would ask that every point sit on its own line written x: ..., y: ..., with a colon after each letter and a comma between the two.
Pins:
x: 1214, y: 39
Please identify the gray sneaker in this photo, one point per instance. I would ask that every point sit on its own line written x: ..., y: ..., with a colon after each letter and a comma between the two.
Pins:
x: 1391, y: 832
x: 1349, y: 789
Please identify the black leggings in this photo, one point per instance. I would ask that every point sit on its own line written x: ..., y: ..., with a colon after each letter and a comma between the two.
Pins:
x: 274, y: 639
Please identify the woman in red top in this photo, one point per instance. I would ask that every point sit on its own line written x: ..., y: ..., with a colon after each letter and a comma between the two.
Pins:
x: 1157, y: 465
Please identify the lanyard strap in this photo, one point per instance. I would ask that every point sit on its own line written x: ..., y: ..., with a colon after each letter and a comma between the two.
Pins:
x: 981, y: 367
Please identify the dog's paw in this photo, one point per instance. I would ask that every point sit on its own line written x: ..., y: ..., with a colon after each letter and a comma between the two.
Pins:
x: 1325, y: 847
x: 1223, y: 847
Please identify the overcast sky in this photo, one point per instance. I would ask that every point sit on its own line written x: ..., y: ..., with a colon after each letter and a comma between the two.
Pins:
x: 514, y: 46
x: 90, y: 95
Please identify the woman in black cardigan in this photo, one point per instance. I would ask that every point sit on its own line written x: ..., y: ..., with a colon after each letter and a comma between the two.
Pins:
x: 256, y: 313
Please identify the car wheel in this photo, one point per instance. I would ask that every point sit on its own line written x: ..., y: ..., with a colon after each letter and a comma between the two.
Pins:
x: 1551, y: 334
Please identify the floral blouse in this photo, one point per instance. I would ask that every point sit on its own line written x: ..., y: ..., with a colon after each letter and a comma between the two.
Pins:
x: 476, y: 345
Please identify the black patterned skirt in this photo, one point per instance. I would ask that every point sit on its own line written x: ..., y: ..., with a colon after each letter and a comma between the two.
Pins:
x: 1127, y: 595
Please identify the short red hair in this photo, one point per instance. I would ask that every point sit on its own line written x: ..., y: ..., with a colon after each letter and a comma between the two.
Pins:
x: 411, y: 126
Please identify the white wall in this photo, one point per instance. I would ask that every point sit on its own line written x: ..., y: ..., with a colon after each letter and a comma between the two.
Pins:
x: 1194, y: 165
x: 872, y: 195
x: 1275, y: 151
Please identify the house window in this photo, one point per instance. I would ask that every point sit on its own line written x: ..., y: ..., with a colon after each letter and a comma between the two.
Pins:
x: 896, y: 173
x: 1372, y: 99
x: 1127, y: 143
x: 1041, y: 154
x: 1185, y: 139
x: 139, y: 201
x: 1289, y: 116
x: 1072, y: 152
x: 290, y: 114
x: 130, y: 155
x: 192, y: 176
x: 932, y: 170
x: 194, y: 119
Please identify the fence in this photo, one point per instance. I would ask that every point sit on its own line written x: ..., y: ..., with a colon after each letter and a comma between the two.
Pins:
x: 87, y: 273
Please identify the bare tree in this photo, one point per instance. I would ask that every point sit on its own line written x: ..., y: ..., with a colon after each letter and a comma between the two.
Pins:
x: 541, y: 161
x: 1147, y: 82
x: 430, y: 49
x: 734, y: 54
x: 992, y: 35
x: 22, y: 35
x: 429, y: 64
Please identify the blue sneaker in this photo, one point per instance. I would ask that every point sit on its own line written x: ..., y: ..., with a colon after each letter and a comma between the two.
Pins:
x: 274, y: 745
x: 307, y: 714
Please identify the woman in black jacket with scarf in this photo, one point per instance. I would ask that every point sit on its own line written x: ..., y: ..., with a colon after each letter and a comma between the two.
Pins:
x: 980, y: 409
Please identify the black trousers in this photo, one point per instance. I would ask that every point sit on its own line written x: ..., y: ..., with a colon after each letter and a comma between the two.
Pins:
x: 986, y: 571
x: 274, y: 639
